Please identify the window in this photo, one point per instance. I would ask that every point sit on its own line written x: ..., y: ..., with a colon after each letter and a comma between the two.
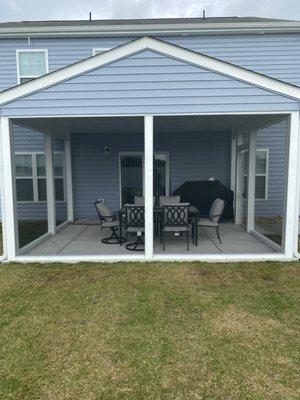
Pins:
x: 31, y: 64
x: 261, y: 173
x: 31, y: 177
x: 100, y: 50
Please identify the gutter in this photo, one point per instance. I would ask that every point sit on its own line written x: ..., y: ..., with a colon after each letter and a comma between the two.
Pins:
x: 151, y: 29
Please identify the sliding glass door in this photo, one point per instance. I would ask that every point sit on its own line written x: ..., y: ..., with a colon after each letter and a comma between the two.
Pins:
x: 132, y: 180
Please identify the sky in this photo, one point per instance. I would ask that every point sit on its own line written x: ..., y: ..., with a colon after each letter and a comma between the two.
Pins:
x: 24, y: 10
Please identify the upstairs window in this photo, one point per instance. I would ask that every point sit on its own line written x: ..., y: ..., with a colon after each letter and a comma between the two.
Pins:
x: 31, y: 64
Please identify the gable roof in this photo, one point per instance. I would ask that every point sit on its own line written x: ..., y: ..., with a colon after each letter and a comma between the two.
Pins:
x: 165, y: 48
x: 151, y: 26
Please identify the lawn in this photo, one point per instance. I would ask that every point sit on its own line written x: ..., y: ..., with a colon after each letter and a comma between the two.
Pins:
x: 149, y: 331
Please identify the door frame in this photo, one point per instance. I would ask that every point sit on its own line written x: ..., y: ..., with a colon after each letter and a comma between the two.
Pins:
x: 141, y: 153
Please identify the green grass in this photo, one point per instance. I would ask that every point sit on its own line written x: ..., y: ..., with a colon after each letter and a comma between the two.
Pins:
x: 31, y: 230
x: 183, y: 331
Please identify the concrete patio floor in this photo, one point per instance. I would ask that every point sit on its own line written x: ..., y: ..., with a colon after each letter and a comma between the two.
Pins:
x: 76, y: 239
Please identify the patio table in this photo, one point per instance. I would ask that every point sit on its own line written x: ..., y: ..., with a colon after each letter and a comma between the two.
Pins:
x: 157, y: 211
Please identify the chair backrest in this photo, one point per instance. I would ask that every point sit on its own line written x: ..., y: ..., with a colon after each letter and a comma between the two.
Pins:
x: 140, y: 200
x: 176, y: 214
x: 104, y: 213
x: 163, y: 200
x: 216, y: 210
x: 135, y: 216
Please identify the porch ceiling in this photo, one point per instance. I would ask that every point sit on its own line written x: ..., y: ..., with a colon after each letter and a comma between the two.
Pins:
x: 162, y: 124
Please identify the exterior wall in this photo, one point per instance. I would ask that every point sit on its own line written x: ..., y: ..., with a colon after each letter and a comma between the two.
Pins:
x: 148, y: 82
x: 276, y: 55
x: 26, y: 140
x: 192, y: 156
x: 274, y: 139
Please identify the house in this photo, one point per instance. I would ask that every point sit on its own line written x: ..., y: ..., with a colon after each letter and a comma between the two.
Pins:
x: 97, y: 109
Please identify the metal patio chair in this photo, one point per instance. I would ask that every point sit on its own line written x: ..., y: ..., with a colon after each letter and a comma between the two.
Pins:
x: 175, y: 219
x: 135, y: 223
x: 212, y: 221
x: 108, y: 220
x: 168, y: 200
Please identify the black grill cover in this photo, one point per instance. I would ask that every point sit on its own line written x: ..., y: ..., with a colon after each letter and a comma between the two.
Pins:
x: 201, y: 194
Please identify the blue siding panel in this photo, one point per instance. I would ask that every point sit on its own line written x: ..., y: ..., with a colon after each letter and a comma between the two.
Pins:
x: 276, y: 55
x: 192, y: 156
x: 163, y: 99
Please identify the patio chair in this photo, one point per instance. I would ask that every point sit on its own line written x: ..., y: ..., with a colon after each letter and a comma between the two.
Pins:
x: 108, y: 220
x: 212, y: 221
x: 175, y: 219
x: 135, y: 223
x: 140, y: 200
x: 169, y: 200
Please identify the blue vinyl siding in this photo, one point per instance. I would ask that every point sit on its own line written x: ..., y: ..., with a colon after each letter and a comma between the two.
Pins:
x: 276, y: 55
x: 192, y: 156
x: 163, y: 96
x: 274, y: 139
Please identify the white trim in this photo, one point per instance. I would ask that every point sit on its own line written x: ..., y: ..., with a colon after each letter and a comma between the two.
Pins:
x: 267, y: 241
x: 251, y: 180
x: 31, y: 50
x: 69, y: 178
x: 233, y: 161
x: 239, y: 173
x: 224, y: 258
x: 51, y: 207
x: 290, y: 219
x: 100, y: 49
x: 246, y: 113
x: 162, y: 47
x: 148, y: 173
x: 4, y: 254
x: 35, y: 242
x: 155, y: 28
x: 9, y: 190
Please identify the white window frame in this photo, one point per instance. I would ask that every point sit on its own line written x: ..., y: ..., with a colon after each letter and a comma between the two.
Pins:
x: 141, y: 153
x: 35, y: 177
x: 266, y: 174
x: 102, y: 49
x: 45, y: 51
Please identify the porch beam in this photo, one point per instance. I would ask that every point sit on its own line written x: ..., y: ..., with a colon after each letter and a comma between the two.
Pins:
x: 50, y: 184
x: 69, y: 178
x: 251, y: 181
x: 9, y: 205
x: 148, y: 172
x: 291, y: 215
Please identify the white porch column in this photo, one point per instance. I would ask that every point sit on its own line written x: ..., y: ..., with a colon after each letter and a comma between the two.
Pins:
x: 148, y: 166
x: 69, y: 185
x: 251, y: 180
x: 239, y: 184
x: 233, y: 160
x: 9, y: 217
x: 291, y: 190
x: 50, y: 184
